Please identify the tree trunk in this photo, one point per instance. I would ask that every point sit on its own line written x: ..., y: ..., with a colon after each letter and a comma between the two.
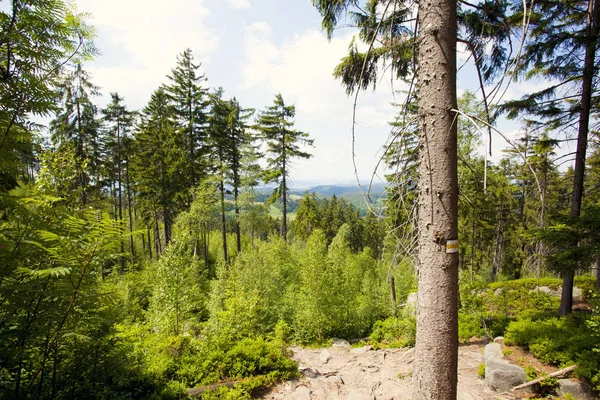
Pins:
x: 223, y: 222
x: 591, y: 37
x: 436, y: 353
x: 129, y: 202
x: 238, y: 233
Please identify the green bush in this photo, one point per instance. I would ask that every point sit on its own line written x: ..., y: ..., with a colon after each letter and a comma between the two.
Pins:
x: 560, y: 341
x: 395, y: 332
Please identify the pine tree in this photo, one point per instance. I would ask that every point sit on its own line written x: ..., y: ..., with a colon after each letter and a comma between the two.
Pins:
x: 283, y: 145
x: 190, y: 101
x: 78, y: 124
x: 158, y: 164
x: 119, y: 123
x: 563, y: 42
x: 240, y: 146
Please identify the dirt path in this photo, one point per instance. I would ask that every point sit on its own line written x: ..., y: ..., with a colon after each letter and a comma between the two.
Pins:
x: 342, y: 373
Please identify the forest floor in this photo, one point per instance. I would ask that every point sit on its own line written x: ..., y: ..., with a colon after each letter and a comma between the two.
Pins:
x: 343, y: 373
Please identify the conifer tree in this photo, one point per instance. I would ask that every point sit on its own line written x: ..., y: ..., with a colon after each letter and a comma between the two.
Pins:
x: 562, y: 45
x: 119, y: 123
x: 79, y: 125
x: 283, y: 145
x: 239, y: 142
x: 190, y: 101
x: 158, y: 163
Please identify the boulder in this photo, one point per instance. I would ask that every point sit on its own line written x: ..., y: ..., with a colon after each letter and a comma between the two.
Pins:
x: 341, y: 343
x: 492, y: 350
x: 361, y: 350
x: 324, y: 356
x: 577, y: 389
x: 500, y: 375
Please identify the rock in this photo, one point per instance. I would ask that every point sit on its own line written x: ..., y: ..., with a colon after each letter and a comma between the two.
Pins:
x: 500, y: 375
x: 358, y: 394
x: 498, y: 292
x: 361, y: 350
x: 341, y: 343
x: 577, y: 292
x: 325, y: 356
x: 499, y: 339
x: 492, y: 350
x: 548, y: 290
x: 301, y: 393
x: 411, y: 303
x: 577, y: 389
x: 309, y: 372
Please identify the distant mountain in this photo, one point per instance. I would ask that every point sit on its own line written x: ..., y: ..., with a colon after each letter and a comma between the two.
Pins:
x: 341, y: 191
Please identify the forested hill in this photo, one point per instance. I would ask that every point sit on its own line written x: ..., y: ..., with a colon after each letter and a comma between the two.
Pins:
x: 348, y: 192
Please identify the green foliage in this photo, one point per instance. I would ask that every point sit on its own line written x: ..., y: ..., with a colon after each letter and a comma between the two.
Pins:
x: 481, y: 371
x: 560, y: 341
x: 178, y: 297
x: 395, y: 331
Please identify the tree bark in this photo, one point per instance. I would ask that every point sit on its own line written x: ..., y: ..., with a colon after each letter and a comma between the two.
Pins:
x: 591, y: 39
x: 223, y: 222
x: 436, y: 353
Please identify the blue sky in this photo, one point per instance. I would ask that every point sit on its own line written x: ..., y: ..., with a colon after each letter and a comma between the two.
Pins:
x: 253, y: 49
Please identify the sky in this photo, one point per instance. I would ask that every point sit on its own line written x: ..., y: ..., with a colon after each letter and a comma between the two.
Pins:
x: 255, y: 49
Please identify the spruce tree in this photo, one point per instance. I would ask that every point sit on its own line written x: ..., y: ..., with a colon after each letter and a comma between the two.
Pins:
x: 189, y: 100
x: 283, y: 145
x: 78, y: 124
x: 158, y: 164
x: 562, y: 45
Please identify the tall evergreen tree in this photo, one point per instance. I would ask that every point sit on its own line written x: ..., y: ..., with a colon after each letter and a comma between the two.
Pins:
x: 78, y: 124
x: 283, y: 145
x: 158, y: 164
x: 190, y: 101
x: 119, y: 123
x: 563, y: 44
x: 240, y: 146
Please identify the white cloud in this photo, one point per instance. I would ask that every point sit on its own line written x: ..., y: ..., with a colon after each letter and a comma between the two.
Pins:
x: 147, y: 40
x: 301, y: 69
x: 239, y: 4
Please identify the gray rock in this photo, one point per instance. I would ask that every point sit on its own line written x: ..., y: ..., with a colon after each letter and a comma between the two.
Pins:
x: 577, y: 389
x: 498, y: 292
x: 361, y: 350
x: 548, y: 290
x: 301, y: 393
x: 309, y: 372
x: 499, y: 339
x: 501, y: 376
x: 341, y: 343
x: 325, y: 356
x: 492, y: 350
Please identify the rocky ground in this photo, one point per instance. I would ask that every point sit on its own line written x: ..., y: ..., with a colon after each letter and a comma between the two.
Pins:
x: 344, y: 373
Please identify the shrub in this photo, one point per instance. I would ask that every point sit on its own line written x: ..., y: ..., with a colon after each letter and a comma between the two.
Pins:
x: 395, y: 332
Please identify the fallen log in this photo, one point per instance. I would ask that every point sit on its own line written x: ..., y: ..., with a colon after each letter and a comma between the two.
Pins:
x: 552, y: 375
